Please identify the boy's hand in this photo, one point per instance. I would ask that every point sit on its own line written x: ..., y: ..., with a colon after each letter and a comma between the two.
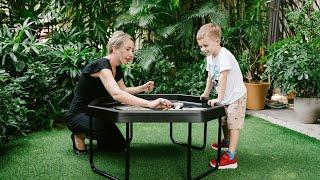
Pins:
x: 214, y: 102
x: 147, y: 87
x: 204, y: 96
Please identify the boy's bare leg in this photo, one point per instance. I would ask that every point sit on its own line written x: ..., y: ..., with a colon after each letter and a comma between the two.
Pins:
x: 234, y: 137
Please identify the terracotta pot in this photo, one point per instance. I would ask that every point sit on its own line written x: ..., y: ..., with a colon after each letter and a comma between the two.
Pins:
x: 307, y: 109
x: 291, y: 95
x: 256, y: 95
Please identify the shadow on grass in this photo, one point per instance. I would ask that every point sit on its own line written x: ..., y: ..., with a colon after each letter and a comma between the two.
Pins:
x: 9, y: 150
x: 6, y: 149
x: 155, y: 158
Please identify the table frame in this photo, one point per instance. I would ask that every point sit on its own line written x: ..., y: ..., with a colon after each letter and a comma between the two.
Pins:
x: 128, y: 139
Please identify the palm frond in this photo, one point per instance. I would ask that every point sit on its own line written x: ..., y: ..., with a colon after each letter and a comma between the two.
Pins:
x: 168, y: 30
x: 146, y: 56
x: 146, y: 20
x: 204, y: 11
x: 208, y: 10
x: 124, y: 19
x: 254, y: 36
x: 136, y: 7
x: 140, y: 6
x: 185, y: 30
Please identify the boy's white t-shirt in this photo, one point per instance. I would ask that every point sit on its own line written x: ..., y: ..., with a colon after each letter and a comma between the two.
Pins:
x: 235, y: 87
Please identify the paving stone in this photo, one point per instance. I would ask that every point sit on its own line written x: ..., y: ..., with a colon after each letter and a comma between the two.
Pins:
x: 287, y: 118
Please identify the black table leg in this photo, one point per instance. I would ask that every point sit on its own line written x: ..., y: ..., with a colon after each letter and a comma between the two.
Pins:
x: 186, y: 144
x: 218, y: 154
x: 127, y: 149
x: 189, y: 151
x: 131, y: 133
x: 93, y: 167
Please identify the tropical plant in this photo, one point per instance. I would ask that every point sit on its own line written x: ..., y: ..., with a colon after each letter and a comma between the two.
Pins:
x: 194, y: 74
x: 13, y: 111
x: 293, y: 68
x: 169, y: 79
x: 163, y: 76
x: 17, y: 45
x: 246, y: 37
x: 67, y: 61
x: 13, y: 12
x: 37, y: 78
x: 95, y: 18
x: 293, y: 63
x: 167, y: 29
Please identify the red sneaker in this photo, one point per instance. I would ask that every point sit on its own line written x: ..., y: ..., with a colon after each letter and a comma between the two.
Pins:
x: 224, y: 146
x: 225, y: 162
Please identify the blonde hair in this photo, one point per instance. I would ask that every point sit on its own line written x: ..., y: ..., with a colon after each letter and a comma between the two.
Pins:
x: 209, y: 30
x: 117, y: 39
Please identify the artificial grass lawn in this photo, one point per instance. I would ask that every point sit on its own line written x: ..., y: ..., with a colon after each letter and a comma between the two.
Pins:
x: 266, y: 151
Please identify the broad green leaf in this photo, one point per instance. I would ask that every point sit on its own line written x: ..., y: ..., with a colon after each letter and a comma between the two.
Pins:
x: 35, y: 49
x: 36, y: 7
x: 15, y: 47
x: 175, y: 4
x: 6, y: 28
x: 28, y: 34
x: 4, y: 59
x: 25, y: 22
x: 13, y: 57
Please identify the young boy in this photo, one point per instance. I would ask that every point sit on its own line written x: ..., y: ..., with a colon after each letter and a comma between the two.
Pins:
x: 224, y: 74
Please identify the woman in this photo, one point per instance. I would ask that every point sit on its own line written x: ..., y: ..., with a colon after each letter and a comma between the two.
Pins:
x: 101, y: 78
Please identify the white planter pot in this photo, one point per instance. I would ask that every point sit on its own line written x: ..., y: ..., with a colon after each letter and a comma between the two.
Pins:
x: 307, y: 109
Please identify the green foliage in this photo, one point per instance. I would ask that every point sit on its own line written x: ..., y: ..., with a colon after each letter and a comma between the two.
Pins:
x: 17, y: 45
x: 161, y: 72
x: 148, y: 55
x: 13, y: 112
x: 191, y: 79
x: 61, y: 36
x: 67, y: 62
x: 188, y: 78
x: 306, y: 24
x: 13, y: 12
x: 37, y: 78
x: 95, y: 18
x: 170, y: 27
x: 25, y: 78
x: 163, y: 76
x: 293, y: 67
x: 293, y: 63
x: 246, y: 37
x: 37, y: 81
x: 173, y: 30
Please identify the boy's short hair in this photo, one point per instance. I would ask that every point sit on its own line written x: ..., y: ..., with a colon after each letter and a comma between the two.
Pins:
x: 209, y: 30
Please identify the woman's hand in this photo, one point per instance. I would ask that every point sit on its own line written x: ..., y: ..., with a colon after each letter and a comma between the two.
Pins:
x: 148, y: 87
x: 160, y: 103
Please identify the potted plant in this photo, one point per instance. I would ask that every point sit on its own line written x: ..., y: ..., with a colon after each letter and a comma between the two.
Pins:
x: 247, y: 40
x: 294, y: 68
x: 293, y: 63
x: 253, y: 68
